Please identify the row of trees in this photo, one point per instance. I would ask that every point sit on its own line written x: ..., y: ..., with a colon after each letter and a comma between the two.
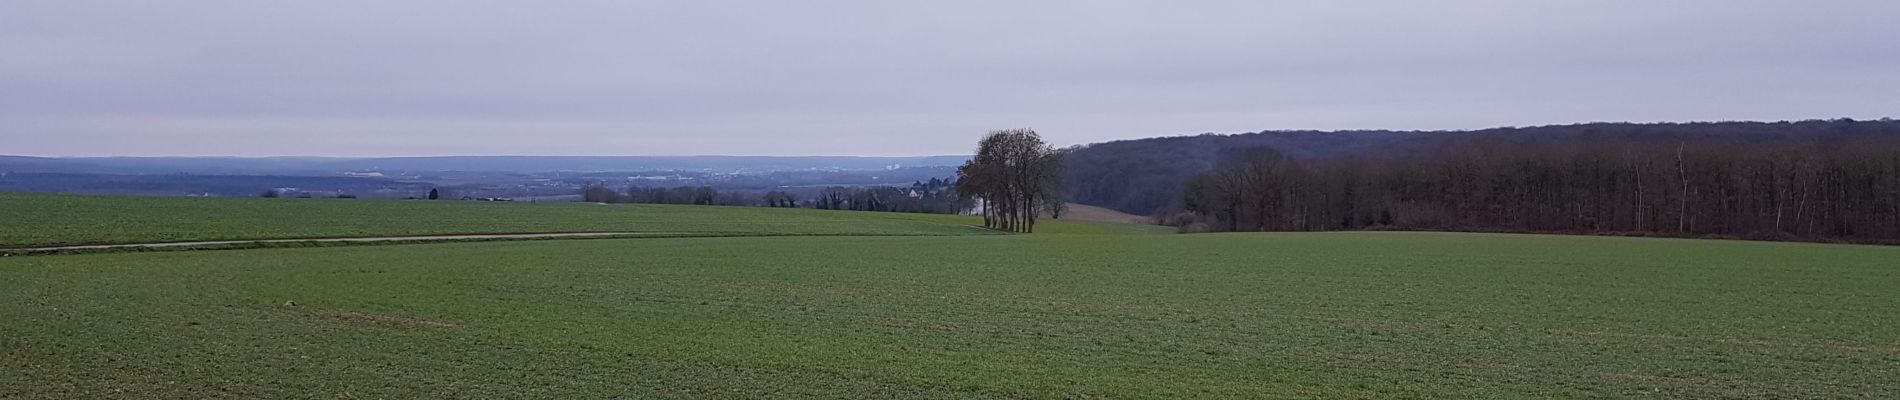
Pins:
x: 936, y: 196
x: 1818, y: 189
x: 1016, y: 176
x: 697, y: 195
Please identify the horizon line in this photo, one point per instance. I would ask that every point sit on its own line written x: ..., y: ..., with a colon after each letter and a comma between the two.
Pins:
x: 487, y: 155
x: 1886, y: 119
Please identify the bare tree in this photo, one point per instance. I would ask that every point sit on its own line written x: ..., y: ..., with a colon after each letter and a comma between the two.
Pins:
x: 1015, y: 175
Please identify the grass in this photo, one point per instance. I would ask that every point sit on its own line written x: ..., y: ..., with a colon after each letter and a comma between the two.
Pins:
x: 36, y: 220
x: 1337, y: 315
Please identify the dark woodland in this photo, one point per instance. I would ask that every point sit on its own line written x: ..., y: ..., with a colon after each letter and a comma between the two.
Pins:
x: 1812, y: 180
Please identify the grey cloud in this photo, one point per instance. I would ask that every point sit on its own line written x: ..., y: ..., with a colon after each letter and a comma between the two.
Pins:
x: 895, y: 78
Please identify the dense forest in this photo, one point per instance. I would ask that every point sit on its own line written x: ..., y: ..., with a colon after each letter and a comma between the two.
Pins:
x: 1147, y: 176
x: 1814, y: 180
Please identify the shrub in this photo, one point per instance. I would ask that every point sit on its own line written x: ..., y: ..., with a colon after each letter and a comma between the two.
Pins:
x: 1195, y: 227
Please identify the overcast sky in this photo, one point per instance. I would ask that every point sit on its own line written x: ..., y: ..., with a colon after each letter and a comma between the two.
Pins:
x: 385, y: 78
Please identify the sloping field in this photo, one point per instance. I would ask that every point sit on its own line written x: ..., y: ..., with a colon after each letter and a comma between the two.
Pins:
x: 1336, y: 315
x: 1084, y: 212
x: 35, y: 220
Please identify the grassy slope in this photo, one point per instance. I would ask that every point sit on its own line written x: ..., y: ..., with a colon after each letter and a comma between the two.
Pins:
x: 1334, y: 315
x: 1086, y: 212
x: 43, y: 220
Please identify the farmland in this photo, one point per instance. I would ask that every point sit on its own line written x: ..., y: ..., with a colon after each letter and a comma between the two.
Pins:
x: 1355, y: 315
x: 46, y: 220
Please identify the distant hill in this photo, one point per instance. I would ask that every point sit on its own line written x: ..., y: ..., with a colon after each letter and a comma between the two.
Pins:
x: 520, y: 164
x: 201, y: 185
x: 642, y: 163
x: 1144, y: 175
x: 23, y: 164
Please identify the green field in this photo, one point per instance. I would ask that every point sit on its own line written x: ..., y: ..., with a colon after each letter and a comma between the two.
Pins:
x: 32, y: 220
x: 1336, y: 315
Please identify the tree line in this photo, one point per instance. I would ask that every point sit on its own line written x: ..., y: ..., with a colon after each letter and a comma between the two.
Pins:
x: 1146, y: 176
x: 1819, y: 187
x: 695, y: 195
x: 1015, y: 176
x: 936, y: 196
x: 933, y: 197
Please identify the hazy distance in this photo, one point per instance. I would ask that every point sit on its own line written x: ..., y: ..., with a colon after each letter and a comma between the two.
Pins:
x: 419, y: 78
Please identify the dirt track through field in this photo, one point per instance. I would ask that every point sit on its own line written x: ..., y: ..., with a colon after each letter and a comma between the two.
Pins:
x: 431, y: 238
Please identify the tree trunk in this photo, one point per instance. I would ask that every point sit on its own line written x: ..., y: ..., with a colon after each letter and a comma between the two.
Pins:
x: 1682, y: 219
